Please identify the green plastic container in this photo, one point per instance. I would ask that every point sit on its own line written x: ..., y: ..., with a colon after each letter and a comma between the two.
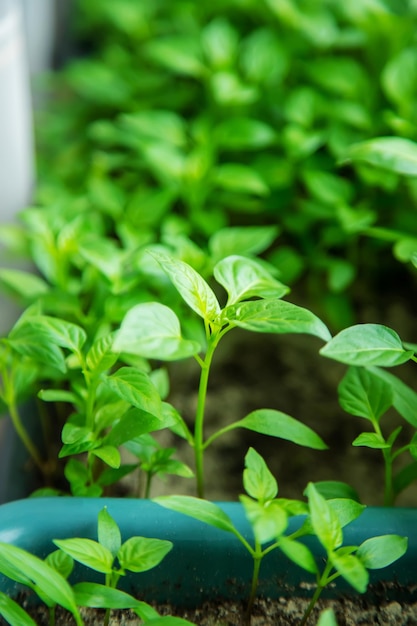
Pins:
x: 205, y: 562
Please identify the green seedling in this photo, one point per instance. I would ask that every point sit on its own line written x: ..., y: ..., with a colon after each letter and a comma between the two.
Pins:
x: 368, y: 391
x: 155, y: 460
x: 48, y: 578
x: 269, y: 518
x: 153, y: 330
x: 111, y: 557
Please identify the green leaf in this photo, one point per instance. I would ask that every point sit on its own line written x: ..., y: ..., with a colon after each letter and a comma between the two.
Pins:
x: 336, y: 489
x: 157, y: 125
x: 258, y: 481
x: 109, y: 454
x: 371, y: 440
x: 60, y: 562
x: 346, y: 510
x: 220, y: 42
x: 275, y: 316
x: 327, y: 618
x: 191, y: 286
x: 278, y: 424
x: 179, y: 53
x: 135, y: 387
x: 367, y: 344
x: 404, y: 398
x: 240, y: 178
x: 20, y: 565
x: 379, y: 552
x: 58, y: 395
x: 28, y: 285
x: 101, y: 357
x: 202, y: 510
x: 13, y: 613
x: 268, y: 520
x: 25, y: 340
x: 364, y: 394
x: 62, y: 333
x: 99, y: 596
x: 352, y: 570
x: 132, y: 424
x: 87, y: 552
x: 395, y: 154
x: 244, y: 133
x: 242, y: 240
x: 153, y: 330
x: 139, y: 554
x: 324, y: 520
x: 299, y: 554
x: 245, y: 278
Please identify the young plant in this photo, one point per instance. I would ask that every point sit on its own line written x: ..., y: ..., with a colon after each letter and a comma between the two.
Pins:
x: 153, y: 330
x: 368, y: 391
x: 269, y: 519
x: 48, y: 578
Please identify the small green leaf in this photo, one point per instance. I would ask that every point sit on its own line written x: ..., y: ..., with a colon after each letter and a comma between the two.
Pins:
x: 101, y: 356
x: 299, y: 554
x: 60, y: 562
x: 324, y: 520
x: 58, y: 395
x: 379, y: 552
x: 352, y: 570
x: 336, y: 489
x: 202, y: 510
x: 179, y: 53
x: 99, y: 596
x: 242, y: 240
x: 275, y: 316
x: 25, y: 340
x: 364, y: 394
x: 153, y: 330
x: 28, y: 285
x: 244, y: 278
x: 278, y: 424
x: 191, y: 286
x: 62, y: 333
x: 139, y: 554
x: 87, y: 552
x: 346, y: 510
x: 258, y: 481
x: 367, y: 344
x: 109, y: 454
x: 13, y: 613
x: 135, y: 387
x: 240, y: 178
x: 132, y: 424
x: 371, y: 440
x: 268, y: 520
x: 404, y: 398
x: 395, y: 154
x: 244, y: 133
x: 327, y: 618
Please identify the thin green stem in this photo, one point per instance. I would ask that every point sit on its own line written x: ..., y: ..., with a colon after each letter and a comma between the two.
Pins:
x: 389, y: 485
x: 322, y: 582
x: 257, y: 559
x: 199, y: 417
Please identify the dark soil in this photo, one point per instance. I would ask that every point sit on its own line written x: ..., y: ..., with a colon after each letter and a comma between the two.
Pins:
x: 283, y: 612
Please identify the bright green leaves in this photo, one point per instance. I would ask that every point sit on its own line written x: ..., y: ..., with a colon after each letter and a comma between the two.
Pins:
x: 191, y: 286
x: 153, y: 330
x: 379, y: 552
x: 110, y: 556
x: 136, y: 388
x: 244, y: 278
x: 258, y: 481
x: 367, y: 344
x: 278, y: 424
x: 276, y: 316
x: 324, y: 520
x: 202, y: 510
x: 395, y: 154
x: 13, y: 612
x: 364, y: 394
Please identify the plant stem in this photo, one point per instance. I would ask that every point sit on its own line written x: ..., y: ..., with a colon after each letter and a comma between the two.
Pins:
x: 311, y: 605
x: 257, y: 558
x: 24, y: 436
x: 199, y: 417
x: 389, y: 488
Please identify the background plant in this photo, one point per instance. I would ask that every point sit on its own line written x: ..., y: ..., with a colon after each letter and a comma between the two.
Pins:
x: 369, y: 391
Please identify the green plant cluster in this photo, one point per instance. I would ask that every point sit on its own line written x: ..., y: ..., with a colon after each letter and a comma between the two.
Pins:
x: 183, y: 119
x: 197, y: 159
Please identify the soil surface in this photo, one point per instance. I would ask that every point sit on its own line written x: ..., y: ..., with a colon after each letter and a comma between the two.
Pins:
x: 282, y: 612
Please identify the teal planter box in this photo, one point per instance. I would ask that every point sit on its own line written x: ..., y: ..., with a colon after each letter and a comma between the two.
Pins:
x: 205, y: 563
